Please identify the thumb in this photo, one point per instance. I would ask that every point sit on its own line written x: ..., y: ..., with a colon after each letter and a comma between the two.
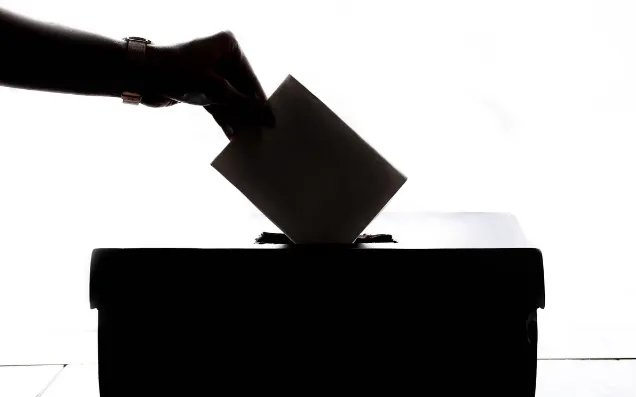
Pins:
x: 244, y: 109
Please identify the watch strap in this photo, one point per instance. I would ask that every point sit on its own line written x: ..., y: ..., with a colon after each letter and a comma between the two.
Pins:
x: 136, y: 60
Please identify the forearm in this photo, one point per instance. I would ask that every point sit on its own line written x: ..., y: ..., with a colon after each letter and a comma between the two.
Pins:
x: 43, y: 56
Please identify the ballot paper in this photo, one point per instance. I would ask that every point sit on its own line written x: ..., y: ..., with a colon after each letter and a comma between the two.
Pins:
x: 311, y: 175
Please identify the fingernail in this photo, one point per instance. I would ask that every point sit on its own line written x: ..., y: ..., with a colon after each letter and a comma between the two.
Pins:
x: 229, y: 131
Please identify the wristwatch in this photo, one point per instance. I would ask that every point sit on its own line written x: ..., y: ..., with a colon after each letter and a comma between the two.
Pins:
x: 136, y: 57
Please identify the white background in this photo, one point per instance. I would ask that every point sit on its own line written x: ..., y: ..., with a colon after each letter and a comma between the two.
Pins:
x: 527, y: 107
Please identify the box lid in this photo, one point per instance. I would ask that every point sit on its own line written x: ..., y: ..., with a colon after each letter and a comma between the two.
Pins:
x: 458, y: 249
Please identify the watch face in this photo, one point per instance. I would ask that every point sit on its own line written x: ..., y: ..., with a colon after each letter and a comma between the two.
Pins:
x: 141, y: 39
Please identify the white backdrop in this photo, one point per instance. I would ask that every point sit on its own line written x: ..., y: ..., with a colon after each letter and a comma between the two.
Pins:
x: 527, y: 107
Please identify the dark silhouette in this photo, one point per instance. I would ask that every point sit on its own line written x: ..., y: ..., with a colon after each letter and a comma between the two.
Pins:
x: 386, y: 319
x: 211, y: 72
x: 317, y: 320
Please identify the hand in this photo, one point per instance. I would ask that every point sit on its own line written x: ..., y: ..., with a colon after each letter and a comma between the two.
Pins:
x: 211, y: 72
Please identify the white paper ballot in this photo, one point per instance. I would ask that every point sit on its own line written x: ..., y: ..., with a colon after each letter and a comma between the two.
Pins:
x: 311, y: 175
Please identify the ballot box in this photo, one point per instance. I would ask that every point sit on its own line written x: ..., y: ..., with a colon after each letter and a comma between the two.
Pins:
x: 442, y: 303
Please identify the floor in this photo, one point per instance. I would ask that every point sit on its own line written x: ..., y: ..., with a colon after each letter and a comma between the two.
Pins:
x: 581, y: 378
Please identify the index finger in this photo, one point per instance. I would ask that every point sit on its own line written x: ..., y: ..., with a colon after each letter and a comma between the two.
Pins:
x: 236, y: 69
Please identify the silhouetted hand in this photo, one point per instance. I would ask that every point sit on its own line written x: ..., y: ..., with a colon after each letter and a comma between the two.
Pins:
x: 211, y: 72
